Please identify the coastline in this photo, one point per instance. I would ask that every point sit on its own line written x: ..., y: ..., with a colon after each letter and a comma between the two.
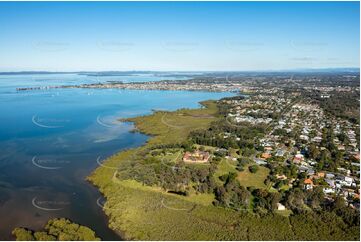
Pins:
x: 164, y: 85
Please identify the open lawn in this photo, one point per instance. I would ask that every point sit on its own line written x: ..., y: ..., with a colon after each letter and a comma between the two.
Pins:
x: 172, y: 155
x: 202, y: 198
x: 248, y: 179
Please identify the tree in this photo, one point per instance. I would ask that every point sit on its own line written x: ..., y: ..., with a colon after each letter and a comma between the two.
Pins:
x: 315, y: 198
x: 57, y: 229
x: 295, y: 200
x: 22, y: 234
x: 232, y: 195
x: 43, y: 236
x: 313, y: 152
x: 227, y: 178
x: 272, y: 199
x: 266, y: 200
x: 253, y: 168
x: 349, y: 215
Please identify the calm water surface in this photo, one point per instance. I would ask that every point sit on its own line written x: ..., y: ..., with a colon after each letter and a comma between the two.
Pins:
x: 50, y: 140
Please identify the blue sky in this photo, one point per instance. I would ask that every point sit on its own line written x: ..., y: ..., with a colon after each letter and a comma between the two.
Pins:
x: 165, y: 36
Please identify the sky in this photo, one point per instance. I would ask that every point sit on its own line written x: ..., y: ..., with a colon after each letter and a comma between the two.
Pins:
x: 178, y: 36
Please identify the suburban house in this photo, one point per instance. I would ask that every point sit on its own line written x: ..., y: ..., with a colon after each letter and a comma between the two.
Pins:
x: 280, y: 153
x: 308, y: 184
x: 298, y: 158
x: 266, y: 155
x: 328, y: 190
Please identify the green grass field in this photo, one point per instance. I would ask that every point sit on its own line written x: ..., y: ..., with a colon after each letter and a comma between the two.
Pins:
x: 248, y: 179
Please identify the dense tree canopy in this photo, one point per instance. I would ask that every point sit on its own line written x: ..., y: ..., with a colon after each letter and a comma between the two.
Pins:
x: 56, y: 229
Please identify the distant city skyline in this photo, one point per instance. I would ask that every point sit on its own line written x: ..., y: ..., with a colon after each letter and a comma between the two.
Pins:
x: 178, y: 36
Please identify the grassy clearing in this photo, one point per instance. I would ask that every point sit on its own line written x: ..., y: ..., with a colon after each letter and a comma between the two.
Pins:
x: 224, y: 167
x: 206, y: 147
x: 202, y: 199
x: 248, y: 179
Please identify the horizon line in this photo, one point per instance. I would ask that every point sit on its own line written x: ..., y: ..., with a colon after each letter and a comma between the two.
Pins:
x: 189, y: 71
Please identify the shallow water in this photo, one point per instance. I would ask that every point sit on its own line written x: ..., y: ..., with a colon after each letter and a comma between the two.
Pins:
x: 50, y: 140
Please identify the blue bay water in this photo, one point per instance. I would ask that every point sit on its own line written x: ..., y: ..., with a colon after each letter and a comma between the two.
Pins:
x: 50, y: 140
